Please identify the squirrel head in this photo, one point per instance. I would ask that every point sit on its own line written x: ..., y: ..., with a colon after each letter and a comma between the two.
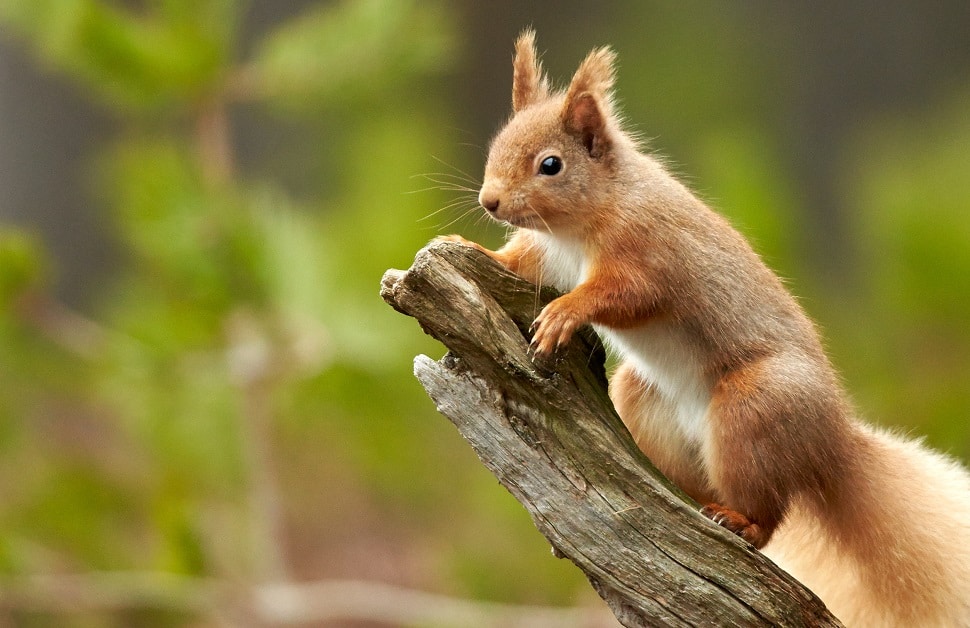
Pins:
x: 557, y: 146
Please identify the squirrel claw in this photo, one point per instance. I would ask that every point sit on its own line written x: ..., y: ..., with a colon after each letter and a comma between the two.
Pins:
x: 736, y: 523
x: 542, y: 346
x: 553, y: 328
x: 538, y: 348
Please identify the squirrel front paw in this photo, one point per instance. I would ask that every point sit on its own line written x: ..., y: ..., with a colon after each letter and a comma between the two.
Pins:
x: 554, y: 327
x: 735, y: 522
x: 454, y: 237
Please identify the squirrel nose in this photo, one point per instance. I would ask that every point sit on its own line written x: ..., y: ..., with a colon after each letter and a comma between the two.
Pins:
x: 489, y: 201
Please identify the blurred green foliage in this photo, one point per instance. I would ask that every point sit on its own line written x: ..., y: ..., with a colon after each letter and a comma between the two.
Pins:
x: 910, y: 209
x: 239, y: 398
x: 164, y: 55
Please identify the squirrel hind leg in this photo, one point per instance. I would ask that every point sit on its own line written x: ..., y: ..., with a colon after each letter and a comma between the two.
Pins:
x: 737, y: 523
x: 770, y: 441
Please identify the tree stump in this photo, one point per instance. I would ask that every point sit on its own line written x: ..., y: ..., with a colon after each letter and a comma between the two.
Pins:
x: 548, y: 431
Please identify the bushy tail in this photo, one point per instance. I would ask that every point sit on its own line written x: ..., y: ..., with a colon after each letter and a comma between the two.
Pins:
x: 893, y: 547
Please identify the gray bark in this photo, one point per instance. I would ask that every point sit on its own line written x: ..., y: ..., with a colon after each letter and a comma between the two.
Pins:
x: 548, y: 432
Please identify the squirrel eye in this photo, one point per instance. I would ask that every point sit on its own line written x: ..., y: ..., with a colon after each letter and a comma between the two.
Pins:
x: 550, y: 166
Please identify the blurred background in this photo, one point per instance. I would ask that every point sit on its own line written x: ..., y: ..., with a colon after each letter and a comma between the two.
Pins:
x: 207, y: 414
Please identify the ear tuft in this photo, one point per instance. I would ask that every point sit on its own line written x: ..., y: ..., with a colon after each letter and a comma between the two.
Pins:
x: 588, y: 105
x: 596, y: 71
x: 529, y: 84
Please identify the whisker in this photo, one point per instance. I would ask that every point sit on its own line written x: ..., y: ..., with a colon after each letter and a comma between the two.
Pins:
x: 460, y: 217
x: 477, y: 147
x: 451, y: 175
x: 445, y: 184
x: 467, y: 177
x: 455, y: 184
x: 462, y: 192
x: 453, y: 179
x: 457, y: 204
x: 442, y: 188
x: 482, y: 220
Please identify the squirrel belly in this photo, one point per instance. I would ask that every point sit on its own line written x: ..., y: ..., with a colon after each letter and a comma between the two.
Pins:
x: 724, y: 383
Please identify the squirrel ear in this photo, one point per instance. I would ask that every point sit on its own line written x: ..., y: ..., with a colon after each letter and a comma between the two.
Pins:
x: 529, y: 84
x: 588, y: 104
x: 584, y: 118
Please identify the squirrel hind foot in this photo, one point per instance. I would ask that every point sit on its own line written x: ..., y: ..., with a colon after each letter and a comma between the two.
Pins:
x: 737, y: 523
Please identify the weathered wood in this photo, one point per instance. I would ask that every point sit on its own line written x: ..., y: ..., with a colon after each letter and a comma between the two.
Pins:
x: 548, y: 432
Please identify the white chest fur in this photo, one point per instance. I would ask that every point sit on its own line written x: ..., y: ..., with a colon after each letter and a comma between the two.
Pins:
x: 658, y: 350
x: 662, y: 356
x: 564, y: 263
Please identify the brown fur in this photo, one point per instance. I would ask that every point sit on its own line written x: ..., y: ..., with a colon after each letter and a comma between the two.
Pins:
x: 724, y: 384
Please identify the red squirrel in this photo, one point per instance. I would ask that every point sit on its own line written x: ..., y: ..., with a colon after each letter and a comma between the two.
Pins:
x: 724, y: 383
